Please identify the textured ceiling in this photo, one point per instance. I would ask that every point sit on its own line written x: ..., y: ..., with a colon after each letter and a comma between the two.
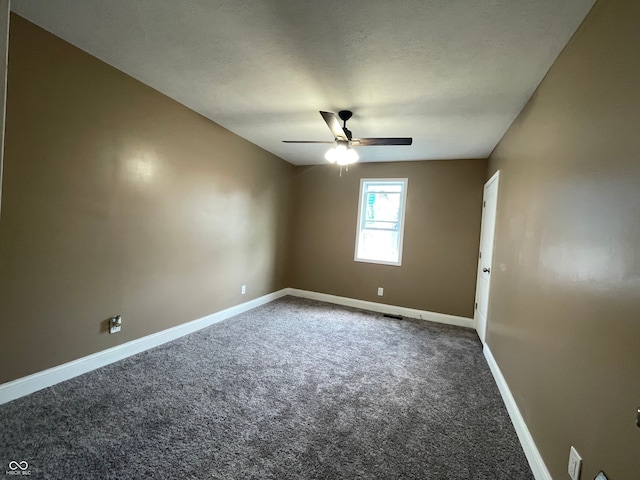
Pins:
x: 452, y: 74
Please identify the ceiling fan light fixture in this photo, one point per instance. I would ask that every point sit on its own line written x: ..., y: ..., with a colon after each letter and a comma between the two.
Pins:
x: 342, y: 154
x: 348, y: 157
x: 335, y: 152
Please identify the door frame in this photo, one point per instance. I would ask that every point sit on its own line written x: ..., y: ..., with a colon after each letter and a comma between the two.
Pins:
x: 494, y: 178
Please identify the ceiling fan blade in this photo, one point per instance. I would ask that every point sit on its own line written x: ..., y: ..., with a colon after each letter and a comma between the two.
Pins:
x: 372, y: 142
x: 334, y: 125
x: 305, y: 141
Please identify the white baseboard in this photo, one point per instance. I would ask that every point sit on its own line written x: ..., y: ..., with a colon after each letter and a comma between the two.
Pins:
x: 538, y: 467
x: 46, y: 378
x: 383, y: 308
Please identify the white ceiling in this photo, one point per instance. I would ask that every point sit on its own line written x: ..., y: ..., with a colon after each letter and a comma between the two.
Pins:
x: 452, y: 74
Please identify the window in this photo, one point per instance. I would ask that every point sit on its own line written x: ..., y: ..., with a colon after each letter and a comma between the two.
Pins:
x: 381, y: 220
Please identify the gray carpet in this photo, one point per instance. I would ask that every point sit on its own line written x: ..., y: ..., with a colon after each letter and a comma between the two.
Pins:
x: 293, y: 389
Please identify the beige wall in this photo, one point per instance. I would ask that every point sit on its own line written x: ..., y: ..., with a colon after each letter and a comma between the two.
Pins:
x: 118, y: 200
x: 4, y: 50
x: 564, y: 321
x: 442, y: 231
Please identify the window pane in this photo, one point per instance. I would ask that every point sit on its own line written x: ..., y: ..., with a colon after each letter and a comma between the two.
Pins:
x: 381, y: 214
x: 383, y: 206
x: 378, y: 245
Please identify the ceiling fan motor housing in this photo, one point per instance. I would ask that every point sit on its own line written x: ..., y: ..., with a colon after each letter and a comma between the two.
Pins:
x: 344, y: 116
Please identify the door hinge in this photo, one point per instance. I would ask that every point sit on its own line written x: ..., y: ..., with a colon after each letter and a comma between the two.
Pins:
x: 484, y: 203
x: 476, y: 305
x: 480, y: 255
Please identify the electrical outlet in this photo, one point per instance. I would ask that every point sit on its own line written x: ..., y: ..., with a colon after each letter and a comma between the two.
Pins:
x: 380, y: 291
x: 115, y: 324
x: 244, y: 289
x: 575, y: 464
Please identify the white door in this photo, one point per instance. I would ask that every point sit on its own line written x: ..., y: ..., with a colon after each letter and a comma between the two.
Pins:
x: 487, y: 230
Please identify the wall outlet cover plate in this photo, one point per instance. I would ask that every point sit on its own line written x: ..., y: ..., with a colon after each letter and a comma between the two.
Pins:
x: 115, y: 324
x: 575, y: 464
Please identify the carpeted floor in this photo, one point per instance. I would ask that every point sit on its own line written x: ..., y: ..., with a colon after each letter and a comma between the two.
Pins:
x: 293, y: 389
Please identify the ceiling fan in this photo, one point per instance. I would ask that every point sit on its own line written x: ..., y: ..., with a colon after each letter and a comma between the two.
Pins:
x: 342, y: 153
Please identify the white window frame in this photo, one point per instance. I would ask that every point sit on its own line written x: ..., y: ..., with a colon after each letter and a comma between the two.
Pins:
x: 361, y: 208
